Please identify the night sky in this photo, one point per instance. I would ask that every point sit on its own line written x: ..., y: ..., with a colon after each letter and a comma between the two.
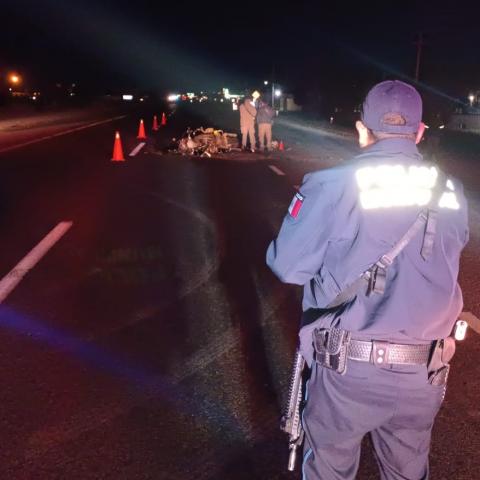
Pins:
x: 308, y: 47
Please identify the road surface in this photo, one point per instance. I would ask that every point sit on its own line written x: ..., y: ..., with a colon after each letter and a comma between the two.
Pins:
x: 150, y: 341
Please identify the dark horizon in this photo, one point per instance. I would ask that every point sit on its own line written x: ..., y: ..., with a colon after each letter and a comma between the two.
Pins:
x: 311, y: 49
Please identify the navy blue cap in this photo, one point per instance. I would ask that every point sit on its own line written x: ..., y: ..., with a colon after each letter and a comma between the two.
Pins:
x: 392, y: 107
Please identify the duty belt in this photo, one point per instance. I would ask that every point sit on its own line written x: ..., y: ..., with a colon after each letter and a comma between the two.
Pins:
x: 381, y: 353
x: 333, y: 346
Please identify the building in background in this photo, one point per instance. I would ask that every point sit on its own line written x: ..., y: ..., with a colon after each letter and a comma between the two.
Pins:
x: 467, y: 117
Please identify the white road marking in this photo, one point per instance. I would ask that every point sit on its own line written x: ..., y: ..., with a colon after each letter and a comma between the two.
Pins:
x: 15, y: 276
x: 276, y: 170
x: 137, y: 149
x: 59, y: 134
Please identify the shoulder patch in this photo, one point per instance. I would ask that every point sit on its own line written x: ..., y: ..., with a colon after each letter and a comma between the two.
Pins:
x: 296, y: 205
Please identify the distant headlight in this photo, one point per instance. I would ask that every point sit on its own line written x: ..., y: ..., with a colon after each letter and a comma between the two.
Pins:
x: 128, y: 98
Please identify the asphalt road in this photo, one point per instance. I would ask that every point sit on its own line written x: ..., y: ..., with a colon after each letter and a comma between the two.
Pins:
x: 151, y: 341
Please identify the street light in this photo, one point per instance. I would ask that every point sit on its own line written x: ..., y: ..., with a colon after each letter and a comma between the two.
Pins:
x: 14, y: 79
x: 265, y: 82
x: 278, y: 93
x: 471, y: 98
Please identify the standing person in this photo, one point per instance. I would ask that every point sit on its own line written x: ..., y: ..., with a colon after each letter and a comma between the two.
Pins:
x: 376, y: 244
x: 265, y: 115
x: 248, y: 112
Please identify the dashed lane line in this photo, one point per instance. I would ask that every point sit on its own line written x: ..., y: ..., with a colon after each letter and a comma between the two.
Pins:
x: 137, y: 149
x: 59, y: 134
x: 15, y: 276
x: 276, y: 170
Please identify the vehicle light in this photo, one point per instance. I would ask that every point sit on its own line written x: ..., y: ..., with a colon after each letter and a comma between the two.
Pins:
x: 128, y: 98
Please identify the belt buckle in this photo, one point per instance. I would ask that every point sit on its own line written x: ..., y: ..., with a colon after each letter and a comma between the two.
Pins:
x: 380, y: 353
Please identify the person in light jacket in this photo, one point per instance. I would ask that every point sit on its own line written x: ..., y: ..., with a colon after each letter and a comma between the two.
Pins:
x: 248, y: 112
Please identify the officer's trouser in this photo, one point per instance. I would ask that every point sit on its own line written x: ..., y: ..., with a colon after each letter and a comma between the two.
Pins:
x: 265, y: 133
x: 248, y: 130
x: 397, y: 405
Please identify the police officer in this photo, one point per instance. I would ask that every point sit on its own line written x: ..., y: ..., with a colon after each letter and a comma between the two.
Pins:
x: 376, y: 244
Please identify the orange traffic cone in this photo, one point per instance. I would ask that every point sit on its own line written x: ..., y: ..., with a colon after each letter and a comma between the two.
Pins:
x: 117, y: 149
x: 155, y: 123
x: 141, y: 131
x: 281, y: 146
x: 164, y: 119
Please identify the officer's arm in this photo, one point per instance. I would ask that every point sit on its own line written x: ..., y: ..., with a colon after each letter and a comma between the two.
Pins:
x: 296, y: 255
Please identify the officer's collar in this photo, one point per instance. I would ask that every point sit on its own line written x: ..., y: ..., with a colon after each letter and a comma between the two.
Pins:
x: 393, y: 145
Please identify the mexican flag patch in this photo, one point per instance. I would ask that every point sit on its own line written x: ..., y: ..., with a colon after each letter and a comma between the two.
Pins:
x: 296, y: 205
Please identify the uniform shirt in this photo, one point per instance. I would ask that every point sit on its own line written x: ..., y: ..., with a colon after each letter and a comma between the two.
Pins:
x: 329, y: 239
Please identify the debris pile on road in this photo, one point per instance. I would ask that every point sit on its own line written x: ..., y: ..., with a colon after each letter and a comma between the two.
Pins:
x: 205, y: 142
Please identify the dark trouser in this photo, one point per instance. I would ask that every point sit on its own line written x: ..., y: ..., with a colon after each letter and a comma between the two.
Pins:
x: 265, y: 135
x: 396, y: 405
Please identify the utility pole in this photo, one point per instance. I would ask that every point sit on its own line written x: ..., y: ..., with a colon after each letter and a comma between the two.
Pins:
x: 419, y: 44
x: 273, y: 86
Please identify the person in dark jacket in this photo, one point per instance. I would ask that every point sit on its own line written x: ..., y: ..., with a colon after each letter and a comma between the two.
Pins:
x: 265, y: 116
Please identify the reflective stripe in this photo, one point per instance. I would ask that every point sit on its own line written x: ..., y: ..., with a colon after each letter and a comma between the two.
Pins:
x: 306, y: 398
x: 305, y: 458
x: 449, y: 200
x: 309, y: 452
x: 387, y: 186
